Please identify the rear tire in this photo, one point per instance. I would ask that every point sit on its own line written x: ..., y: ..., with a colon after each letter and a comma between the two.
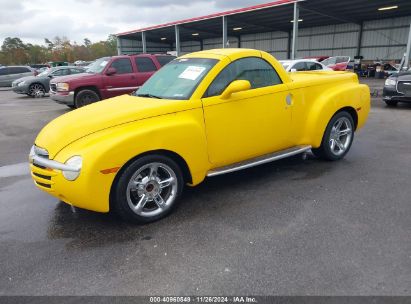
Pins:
x: 391, y: 103
x: 338, y: 137
x: 148, y: 189
x: 85, y: 97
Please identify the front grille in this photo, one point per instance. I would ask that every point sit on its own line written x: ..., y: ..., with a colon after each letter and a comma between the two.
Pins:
x: 43, y: 185
x: 42, y: 176
x: 53, y: 87
x: 38, y: 166
x: 404, y: 87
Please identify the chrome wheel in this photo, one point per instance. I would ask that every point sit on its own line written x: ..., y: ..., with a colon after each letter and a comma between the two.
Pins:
x: 37, y: 90
x: 340, y: 136
x: 152, y: 189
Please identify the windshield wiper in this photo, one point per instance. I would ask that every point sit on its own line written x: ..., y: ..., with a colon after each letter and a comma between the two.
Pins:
x: 148, y: 95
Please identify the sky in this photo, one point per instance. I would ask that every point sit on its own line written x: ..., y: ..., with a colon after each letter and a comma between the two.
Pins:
x: 34, y: 20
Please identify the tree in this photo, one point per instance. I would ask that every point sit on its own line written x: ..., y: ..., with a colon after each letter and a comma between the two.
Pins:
x: 87, y: 42
x: 111, y: 43
x: 50, y: 44
x: 15, y: 50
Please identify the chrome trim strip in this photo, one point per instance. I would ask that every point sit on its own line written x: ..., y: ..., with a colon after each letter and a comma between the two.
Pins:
x: 259, y: 160
x: 121, y: 89
x: 52, y: 164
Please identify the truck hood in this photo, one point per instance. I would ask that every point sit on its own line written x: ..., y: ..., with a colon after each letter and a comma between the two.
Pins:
x: 102, y: 115
x: 68, y: 78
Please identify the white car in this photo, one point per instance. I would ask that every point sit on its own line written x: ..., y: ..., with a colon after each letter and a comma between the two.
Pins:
x: 303, y: 65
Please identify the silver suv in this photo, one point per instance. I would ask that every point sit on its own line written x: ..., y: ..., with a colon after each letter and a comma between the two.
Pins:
x: 10, y: 73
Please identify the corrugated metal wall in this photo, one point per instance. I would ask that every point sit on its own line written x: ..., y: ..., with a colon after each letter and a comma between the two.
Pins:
x: 275, y: 43
x: 383, y: 39
x: 386, y: 38
x: 331, y: 40
x: 131, y: 46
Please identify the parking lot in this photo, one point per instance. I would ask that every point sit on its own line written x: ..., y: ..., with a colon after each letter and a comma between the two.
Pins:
x: 292, y: 227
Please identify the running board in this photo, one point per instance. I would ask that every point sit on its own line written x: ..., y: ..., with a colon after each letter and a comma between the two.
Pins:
x: 259, y: 160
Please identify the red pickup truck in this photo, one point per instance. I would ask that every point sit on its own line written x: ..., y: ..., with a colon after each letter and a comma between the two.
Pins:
x: 106, y: 77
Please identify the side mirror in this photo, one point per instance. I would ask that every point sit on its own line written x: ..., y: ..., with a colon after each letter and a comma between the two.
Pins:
x: 111, y: 71
x: 293, y: 70
x: 236, y: 86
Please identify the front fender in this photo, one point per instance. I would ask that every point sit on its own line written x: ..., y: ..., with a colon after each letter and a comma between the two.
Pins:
x: 182, y: 133
x: 352, y: 95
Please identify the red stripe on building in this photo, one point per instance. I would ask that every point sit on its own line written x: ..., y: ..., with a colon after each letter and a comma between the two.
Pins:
x: 215, y: 15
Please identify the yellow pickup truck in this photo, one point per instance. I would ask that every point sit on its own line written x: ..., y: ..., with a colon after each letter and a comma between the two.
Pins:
x: 203, y: 114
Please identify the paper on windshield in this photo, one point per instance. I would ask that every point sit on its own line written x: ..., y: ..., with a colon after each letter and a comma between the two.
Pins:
x: 192, y: 72
x: 103, y: 63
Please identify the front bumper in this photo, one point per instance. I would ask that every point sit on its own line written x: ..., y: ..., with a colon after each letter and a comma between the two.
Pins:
x: 390, y: 93
x: 88, y: 191
x: 24, y: 89
x: 66, y: 98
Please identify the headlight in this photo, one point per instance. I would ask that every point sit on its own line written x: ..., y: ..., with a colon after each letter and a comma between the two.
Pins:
x: 21, y: 83
x: 62, y: 86
x: 75, y: 162
x: 390, y: 82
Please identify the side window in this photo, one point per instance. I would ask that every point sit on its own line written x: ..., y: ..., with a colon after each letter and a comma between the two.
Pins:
x: 312, y: 66
x: 256, y: 70
x: 76, y: 71
x: 145, y: 64
x: 163, y: 60
x: 122, y: 65
x: 3, y: 71
x: 18, y: 70
x: 300, y: 66
x: 61, y: 72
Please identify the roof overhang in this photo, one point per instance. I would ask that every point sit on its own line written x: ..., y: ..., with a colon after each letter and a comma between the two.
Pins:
x: 274, y: 16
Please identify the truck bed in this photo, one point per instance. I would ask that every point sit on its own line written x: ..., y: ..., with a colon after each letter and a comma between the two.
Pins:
x: 308, y: 79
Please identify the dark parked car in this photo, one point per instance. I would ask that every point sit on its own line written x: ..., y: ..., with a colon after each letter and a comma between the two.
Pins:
x: 10, y: 73
x: 397, y: 88
x: 37, y: 86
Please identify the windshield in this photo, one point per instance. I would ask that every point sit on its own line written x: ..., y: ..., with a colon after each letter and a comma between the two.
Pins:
x: 178, y: 79
x: 98, y: 65
x: 44, y: 73
x: 329, y: 61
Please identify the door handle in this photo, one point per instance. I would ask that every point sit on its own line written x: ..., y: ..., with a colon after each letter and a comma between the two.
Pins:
x: 289, y: 99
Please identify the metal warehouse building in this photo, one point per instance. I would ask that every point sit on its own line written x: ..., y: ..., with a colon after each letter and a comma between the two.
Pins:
x: 288, y: 29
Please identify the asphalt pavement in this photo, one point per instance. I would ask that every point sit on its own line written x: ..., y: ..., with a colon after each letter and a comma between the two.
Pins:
x: 292, y: 227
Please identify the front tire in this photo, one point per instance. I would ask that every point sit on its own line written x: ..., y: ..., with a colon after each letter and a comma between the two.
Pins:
x: 85, y: 97
x: 148, y: 189
x: 37, y: 90
x: 338, y: 137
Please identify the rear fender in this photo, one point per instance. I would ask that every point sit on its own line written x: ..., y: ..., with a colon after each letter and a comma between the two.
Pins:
x: 326, y: 105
